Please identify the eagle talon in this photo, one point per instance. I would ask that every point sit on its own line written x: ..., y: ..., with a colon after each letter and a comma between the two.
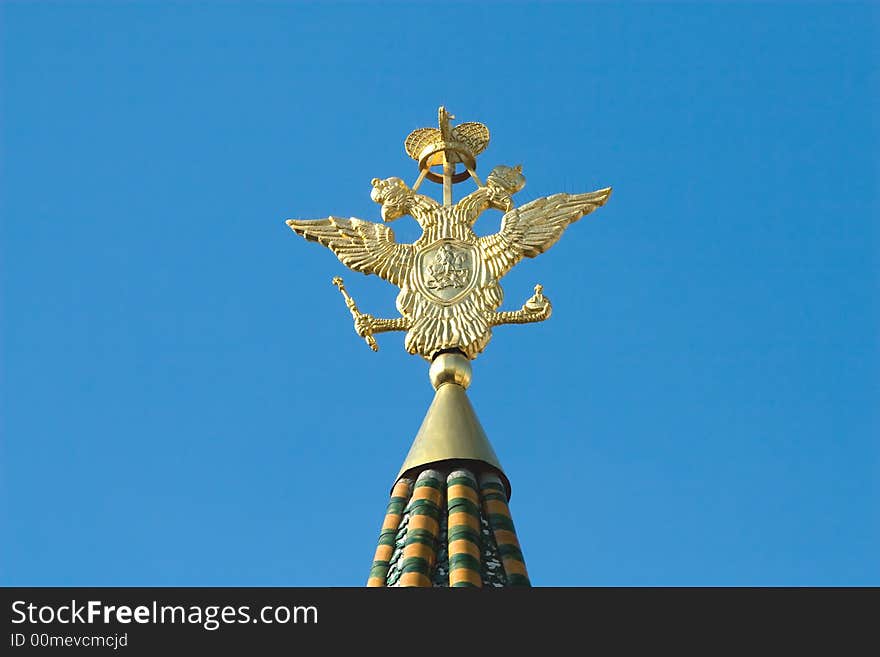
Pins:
x: 363, y: 325
x: 538, y: 304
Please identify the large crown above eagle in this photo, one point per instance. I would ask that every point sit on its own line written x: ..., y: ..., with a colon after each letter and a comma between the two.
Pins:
x: 458, y: 144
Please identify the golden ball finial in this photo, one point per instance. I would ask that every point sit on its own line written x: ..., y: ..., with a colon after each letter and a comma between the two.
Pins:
x: 450, y: 367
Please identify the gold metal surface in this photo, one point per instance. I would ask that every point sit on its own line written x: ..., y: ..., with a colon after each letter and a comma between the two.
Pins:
x: 448, y: 146
x: 355, y: 313
x: 450, y: 432
x: 449, y: 278
x: 450, y: 367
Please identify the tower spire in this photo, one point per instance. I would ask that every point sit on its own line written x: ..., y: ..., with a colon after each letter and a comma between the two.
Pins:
x: 448, y: 522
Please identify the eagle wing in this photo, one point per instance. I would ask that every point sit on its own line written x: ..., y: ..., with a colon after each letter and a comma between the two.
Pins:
x: 531, y: 229
x: 363, y: 246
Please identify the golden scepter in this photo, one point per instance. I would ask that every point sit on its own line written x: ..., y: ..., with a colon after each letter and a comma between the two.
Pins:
x: 355, y: 313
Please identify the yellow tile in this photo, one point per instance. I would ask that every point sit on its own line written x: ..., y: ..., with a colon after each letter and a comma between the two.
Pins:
x: 463, y: 518
x: 464, y: 546
x: 460, y: 490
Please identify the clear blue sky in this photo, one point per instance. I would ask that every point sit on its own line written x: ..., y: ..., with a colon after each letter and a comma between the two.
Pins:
x: 184, y: 401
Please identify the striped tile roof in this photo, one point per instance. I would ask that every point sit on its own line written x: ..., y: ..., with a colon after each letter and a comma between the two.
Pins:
x: 448, y: 527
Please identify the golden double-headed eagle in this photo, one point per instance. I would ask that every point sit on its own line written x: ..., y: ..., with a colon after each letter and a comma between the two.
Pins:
x: 449, y: 277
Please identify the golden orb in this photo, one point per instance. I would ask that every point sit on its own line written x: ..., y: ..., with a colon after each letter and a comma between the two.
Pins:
x: 450, y: 367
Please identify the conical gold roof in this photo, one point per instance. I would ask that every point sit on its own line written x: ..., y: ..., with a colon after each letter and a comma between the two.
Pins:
x: 451, y: 431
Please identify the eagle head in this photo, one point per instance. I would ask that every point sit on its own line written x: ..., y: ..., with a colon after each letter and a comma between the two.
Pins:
x: 507, y: 179
x: 393, y: 195
x: 503, y: 182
